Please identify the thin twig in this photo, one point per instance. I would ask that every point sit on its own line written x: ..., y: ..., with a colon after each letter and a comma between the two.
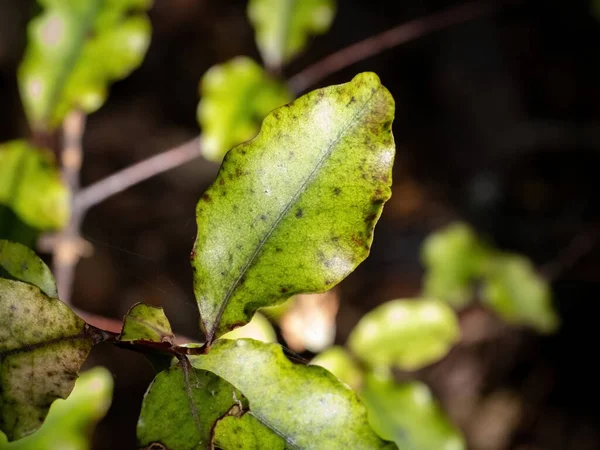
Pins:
x: 581, y: 245
x: 68, y: 243
x: 138, y: 172
x: 374, y: 45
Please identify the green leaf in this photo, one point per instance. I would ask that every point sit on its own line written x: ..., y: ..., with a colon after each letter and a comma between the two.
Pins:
x: 235, y: 98
x: 246, y: 433
x: 22, y: 264
x: 69, y: 421
x: 514, y: 290
x: 258, y: 328
x: 340, y: 363
x: 306, y: 405
x: 283, y: 27
x: 408, y: 334
x: 181, y: 408
x: 75, y: 50
x: 42, y: 346
x: 31, y: 186
x: 146, y: 323
x: 453, y: 258
x: 294, y: 209
x: 408, y: 415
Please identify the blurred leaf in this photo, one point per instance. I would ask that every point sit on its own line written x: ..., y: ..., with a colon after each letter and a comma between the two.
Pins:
x: 305, y: 405
x: 146, y: 323
x: 246, y: 433
x: 75, y: 49
x: 235, y: 98
x: 408, y: 415
x: 69, y: 422
x: 340, y: 363
x: 293, y: 210
x: 514, y: 290
x: 22, y: 264
x: 283, y: 27
x: 259, y: 328
x: 42, y: 346
x: 408, y: 334
x: 181, y: 408
x: 310, y: 323
x: 453, y: 258
x: 30, y: 184
x: 12, y: 228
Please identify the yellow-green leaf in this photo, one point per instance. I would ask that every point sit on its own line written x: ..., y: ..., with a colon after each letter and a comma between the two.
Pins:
x: 294, y: 209
x: 408, y: 414
x: 453, y: 258
x: 31, y: 186
x: 146, y: 323
x: 408, y: 334
x: 182, y: 407
x: 22, y: 264
x: 283, y: 27
x: 75, y: 49
x: 42, y: 346
x: 258, y: 328
x: 235, y: 98
x: 514, y: 290
x: 339, y: 362
x: 305, y: 405
x: 246, y: 433
x: 69, y: 422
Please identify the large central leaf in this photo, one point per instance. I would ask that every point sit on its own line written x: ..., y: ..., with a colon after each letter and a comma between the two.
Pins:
x: 293, y: 210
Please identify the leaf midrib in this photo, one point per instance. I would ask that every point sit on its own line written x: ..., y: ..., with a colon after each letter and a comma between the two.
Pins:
x: 283, y: 213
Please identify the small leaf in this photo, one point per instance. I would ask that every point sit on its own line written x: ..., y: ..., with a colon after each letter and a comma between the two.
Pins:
x: 408, y: 334
x: 305, y: 405
x: 75, y: 49
x: 146, y: 323
x: 69, y: 421
x: 340, y: 363
x: 408, y: 415
x: 514, y: 290
x: 22, y: 264
x: 453, y: 258
x: 30, y: 185
x: 294, y: 209
x: 283, y: 27
x: 181, y: 408
x: 258, y: 328
x: 235, y: 98
x: 42, y: 346
x: 246, y: 433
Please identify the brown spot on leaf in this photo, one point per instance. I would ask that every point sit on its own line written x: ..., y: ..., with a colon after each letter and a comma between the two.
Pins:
x: 299, y: 213
x: 206, y: 198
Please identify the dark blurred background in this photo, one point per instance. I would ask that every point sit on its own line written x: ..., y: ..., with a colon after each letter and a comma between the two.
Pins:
x: 497, y: 123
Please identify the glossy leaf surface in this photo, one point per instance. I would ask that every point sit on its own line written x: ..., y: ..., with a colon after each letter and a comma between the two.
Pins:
x: 42, y: 346
x: 283, y: 27
x: 235, y: 98
x: 514, y: 290
x: 75, y: 49
x: 409, y: 415
x: 453, y: 258
x: 294, y: 209
x: 246, y: 433
x: 306, y: 405
x: 181, y: 408
x: 69, y: 422
x: 408, y: 334
x: 30, y: 184
x: 22, y: 264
